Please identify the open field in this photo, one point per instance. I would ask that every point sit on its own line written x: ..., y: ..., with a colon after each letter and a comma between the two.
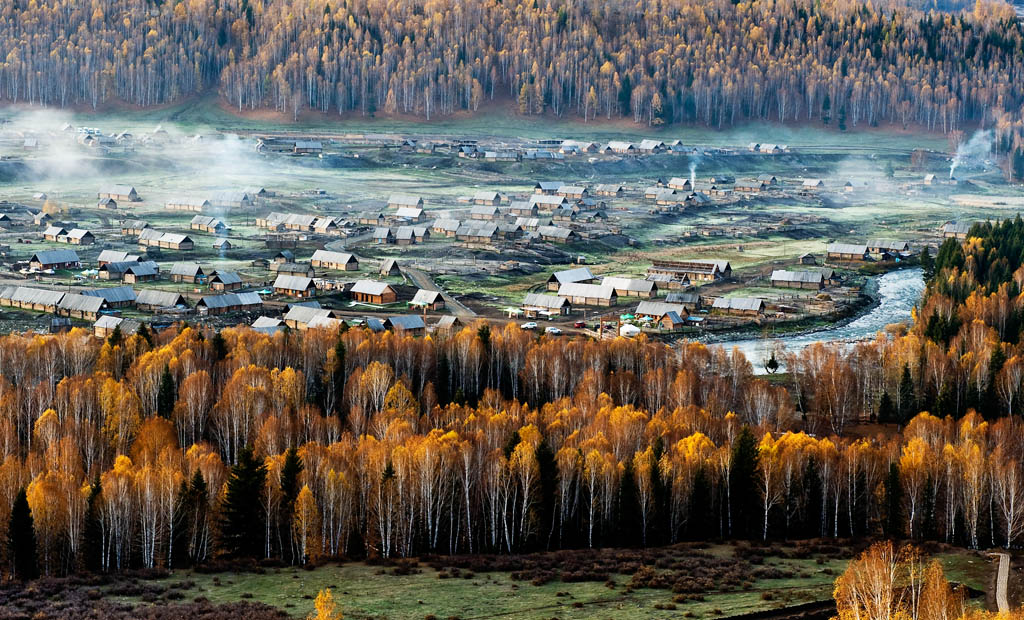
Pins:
x: 723, y: 581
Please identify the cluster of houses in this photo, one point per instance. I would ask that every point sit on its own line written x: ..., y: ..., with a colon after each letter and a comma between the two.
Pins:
x: 874, y: 249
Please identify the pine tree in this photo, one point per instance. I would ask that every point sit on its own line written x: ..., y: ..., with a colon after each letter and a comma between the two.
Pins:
x: 220, y: 348
x: 143, y: 332
x: 92, y: 530
x: 701, y: 523
x: 291, y: 469
x: 742, y: 484
x: 927, y: 264
x: 907, y: 398
x: 242, y: 526
x: 167, y: 395
x: 886, y: 409
x: 21, y: 540
x: 628, y: 523
x: 197, y: 523
x: 893, y: 524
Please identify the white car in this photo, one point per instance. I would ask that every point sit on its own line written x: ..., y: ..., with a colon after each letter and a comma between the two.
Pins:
x: 530, y: 325
x: 554, y: 331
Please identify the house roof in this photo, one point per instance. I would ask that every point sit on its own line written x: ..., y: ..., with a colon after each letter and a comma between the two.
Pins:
x: 266, y: 321
x: 409, y: 212
x: 406, y: 321
x: 404, y: 200
x: 81, y: 303
x: 54, y: 231
x: 293, y: 283
x: 579, y: 289
x: 425, y: 297
x: 446, y: 224
x: 660, y: 308
x: 739, y: 303
x: 206, y: 220
x: 186, y: 269
x: 24, y: 294
x: 539, y: 300
x: 370, y: 287
x: 189, y: 201
x: 629, y: 284
x: 120, y: 190
x: 147, y: 268
x: 382, y: 232
x: 959, y: 228
x: 328, y: 256
x: 446, y: 322
x: 682, y: 298
x: 116, y: 294
x: 115, y: 256
x: 227, y: 277
x: 572, y: 189
x: 484, y: 210
x: 305, y: 314
x: 548, y: 186
x: 230, y: 300
x: 485, y: 195
x: 544, y: 199
x: 54, y: 257
x: 388, y: 265
x: 554, y: 231
x: 888, y: 244
x: 846, y: 248
x: 134, y: 224
x: 579, y: 274
x: 162, y: 299
x: 811, y: 277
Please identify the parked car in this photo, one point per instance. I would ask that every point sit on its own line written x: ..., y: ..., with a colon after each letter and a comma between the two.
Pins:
x: 529, y: 325
x: 554, y: 331
x: 580, y: 324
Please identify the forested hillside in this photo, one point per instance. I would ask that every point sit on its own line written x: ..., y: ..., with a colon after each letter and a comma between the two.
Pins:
x: 716, y: 63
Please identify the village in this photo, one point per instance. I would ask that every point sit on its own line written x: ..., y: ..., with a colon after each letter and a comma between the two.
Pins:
x: 669, y: 256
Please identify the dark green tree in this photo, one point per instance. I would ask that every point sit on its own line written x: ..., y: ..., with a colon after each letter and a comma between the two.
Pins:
x: 907, y: 400
x: 168, y: 394
x: 886, y: 409
x: 743, y: 485
x: 91, y: 549
x: 242, y: 524
x: 927, y: 264
x: 893, y: 524
x: 291, y: 469
x: 21, y: 540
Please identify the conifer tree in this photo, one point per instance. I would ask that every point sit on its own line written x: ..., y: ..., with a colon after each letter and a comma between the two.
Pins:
x: 242, y: 519
x: 21, y: 540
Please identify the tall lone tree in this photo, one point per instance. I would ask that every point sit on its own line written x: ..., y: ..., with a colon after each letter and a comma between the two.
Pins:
x: 167, y: 395
x: 21, y: 540
x: 742, y: 484
x: 242, y: 526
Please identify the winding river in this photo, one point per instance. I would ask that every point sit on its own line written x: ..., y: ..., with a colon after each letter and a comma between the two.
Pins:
x: 897, y: 292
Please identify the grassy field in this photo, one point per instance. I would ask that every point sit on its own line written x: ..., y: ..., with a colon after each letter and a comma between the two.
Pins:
x: 422, y: 591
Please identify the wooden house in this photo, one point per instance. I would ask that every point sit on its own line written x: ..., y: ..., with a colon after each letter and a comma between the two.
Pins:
x: 846, y: 251
x: 191, y: 273
x: 225, y: 281
x: 229, y: 302
x: 146, y: 271
x: 406, y: 324
x: 693, y: 270
x: 447, y: 325
x: 609, y: 190
x: 79, y: 306
x: 383, y: 236
x: 484, y: 213
x: 783, y: 278
x: 308, y: 147
x: 293, y: 269
x: 631, y: 287
x: 341, y: 261
x: 445, y: 226
x: 537, y: 304
x: 390, y: 268
x: 956, y: 230
x: 115, y: 296
x: 183, y: 203
x: 371, y: 292
x: 570, y: 276
x: 153, y: 300
x: 133, y: 227
x: 744, y: 306
x: 485, y: 197
x: 54, y: 259
x: 208, y: 224
x: 588, y: 294
x: 120, y: 193
x: 294, y: 286
x: 107, y: 203
x: 397, y: 201
x: 573, y: 191
x: 428, y: 300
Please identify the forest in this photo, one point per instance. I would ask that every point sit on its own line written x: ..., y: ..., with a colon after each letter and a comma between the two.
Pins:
x: 716, y: 63
x: 185, y: 446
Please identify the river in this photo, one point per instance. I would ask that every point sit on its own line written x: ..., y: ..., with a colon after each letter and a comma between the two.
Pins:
x: 897, y: 292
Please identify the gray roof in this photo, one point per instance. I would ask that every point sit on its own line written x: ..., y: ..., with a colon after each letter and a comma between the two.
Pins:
x: 578, y: 274
x: 554, y: 231
x: 738, y: 303
x: 227, y: 277
x: 54, y: 257
x: 186, y: 269
x: 959, y: 228
x: 162, y: 299
x: 423, y: 296
x: 888, y: 244
x: 659, y: 308
x: 115, y: 256
x: 305, y: 314
x: 81, y: 303
x: 484, y: 210
x: 116, y: 294
x: 783, y: 275
x: 550, y: 186
x: 404, y: 200
x: 539, y: 300
x: 546, y: 200
x: 406, y: 321
x: 266, y: 321
x: 118, y: 266
x: 374, y: 324
x: 118, y: 190
x: 446, y: 322
x: 846, y: 248
x: 446, y: 224
x: 147, y: 268
x: 485, y: 195
x: 27, y: 295
x: 230, y: 300
x: 382, y: 232
x: 629, y: 284
x: 579, y: 289
x: 369, y: 287
x: 471, y: 229
x: 293, y: 283
x: 328, y: 256
x: 683, y: 298
x: 206, y: 220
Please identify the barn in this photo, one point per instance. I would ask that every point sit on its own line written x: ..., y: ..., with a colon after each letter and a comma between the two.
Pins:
x: 372, y: 292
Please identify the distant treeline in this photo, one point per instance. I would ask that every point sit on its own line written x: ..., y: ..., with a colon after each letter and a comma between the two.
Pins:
x: 716, y: 63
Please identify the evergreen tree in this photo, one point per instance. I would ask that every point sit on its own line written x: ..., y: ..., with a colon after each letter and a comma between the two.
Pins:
x: 115, y: 337
x: 197, y: 515
x: 813, y: 518
x: 291, y: 469
x: 886, y: 409
x: 546, y: 509
x: 628, y: 524
x: 701, y: 522
x: 242, y: 525
x: 893, y: 524
x: 338, y: 377
x: 907, y: 398
x: 143, y: 332
x: 927, y: 264
x: 91, y: 550
x: 167, y: 395
x: 21, y: 540
x: 742, y: 484
x: 220, y: 348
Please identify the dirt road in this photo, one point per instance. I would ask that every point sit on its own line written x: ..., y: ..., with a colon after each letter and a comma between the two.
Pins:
x: 1001, y: 578
x: 422, y: 280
